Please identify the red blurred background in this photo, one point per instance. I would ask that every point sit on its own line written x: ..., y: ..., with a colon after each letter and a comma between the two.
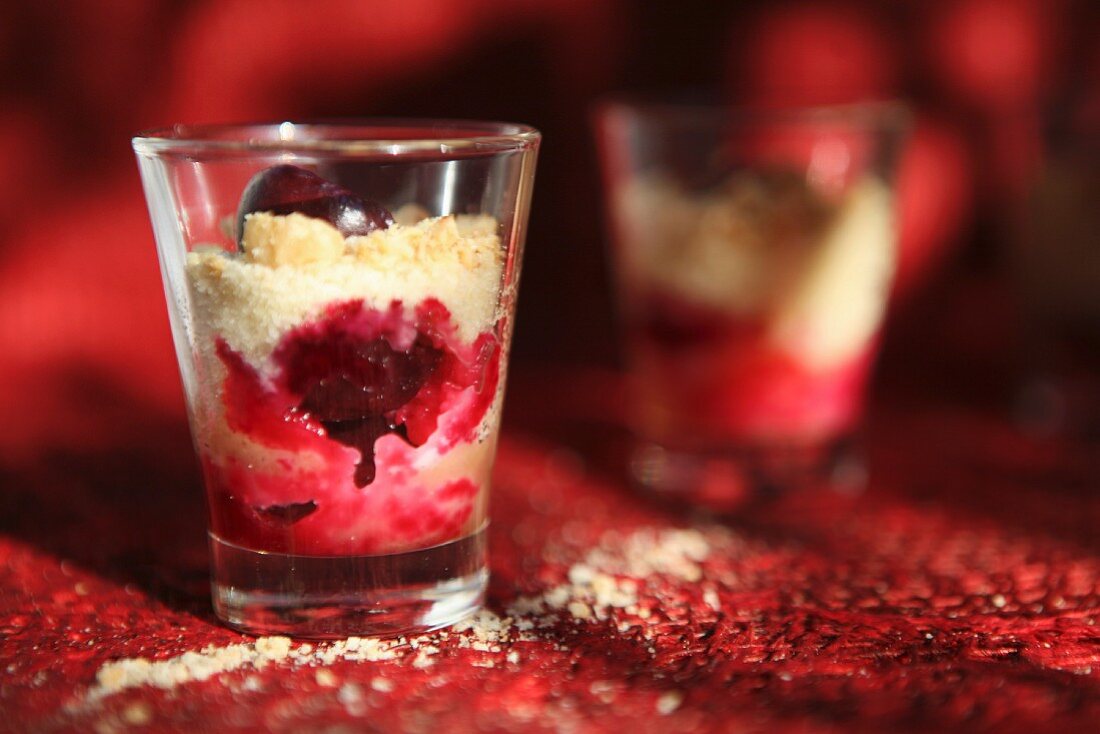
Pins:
x: 84, y: 335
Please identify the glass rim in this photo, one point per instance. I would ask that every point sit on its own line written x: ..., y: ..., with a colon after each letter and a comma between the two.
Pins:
x: 350, y: 137
x: 706, y: 110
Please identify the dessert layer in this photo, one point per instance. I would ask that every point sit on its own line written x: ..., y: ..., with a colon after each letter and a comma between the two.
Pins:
x: 767, y: 248
x: 351, y: 386
x: 292, y: 268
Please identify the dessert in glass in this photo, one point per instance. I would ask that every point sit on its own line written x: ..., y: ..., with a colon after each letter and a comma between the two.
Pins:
x: 752, y: 253
x: 341, y: 298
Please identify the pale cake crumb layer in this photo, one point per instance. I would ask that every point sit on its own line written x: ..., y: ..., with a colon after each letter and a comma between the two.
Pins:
x: 769, y: 248
x: 294, y: 239
x: 252, y: 300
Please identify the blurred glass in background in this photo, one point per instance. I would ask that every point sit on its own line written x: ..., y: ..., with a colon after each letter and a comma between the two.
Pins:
x: 753, y: 251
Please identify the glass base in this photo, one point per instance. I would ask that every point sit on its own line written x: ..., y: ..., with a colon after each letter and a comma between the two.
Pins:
x: 326, y: 597
x: 735, y: 478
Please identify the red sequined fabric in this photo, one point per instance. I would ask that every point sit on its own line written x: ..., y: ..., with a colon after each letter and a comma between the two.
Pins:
x: 960, y: 592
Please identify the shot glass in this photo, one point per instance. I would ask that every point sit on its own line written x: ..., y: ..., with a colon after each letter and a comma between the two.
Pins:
x: 341, y: 298
x: 752, y: 253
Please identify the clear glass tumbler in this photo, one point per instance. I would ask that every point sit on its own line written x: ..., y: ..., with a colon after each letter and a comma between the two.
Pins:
x: 753, y: 253
x: 342, y: 297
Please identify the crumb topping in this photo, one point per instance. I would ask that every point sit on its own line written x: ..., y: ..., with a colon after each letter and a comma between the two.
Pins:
x: 293, y: 239
x: 294, y: 267
x: 438, y: 240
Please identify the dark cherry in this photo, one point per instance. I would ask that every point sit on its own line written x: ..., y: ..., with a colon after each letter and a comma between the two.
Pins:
x: 349, y: 379
x: 290, y: 513
x: 285, y: 189
x: 354, y: 387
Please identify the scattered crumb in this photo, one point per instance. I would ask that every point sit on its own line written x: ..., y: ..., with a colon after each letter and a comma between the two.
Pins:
x: 273, y: 648
x: 137, y: 714
x: 581, y: 574
x: 349, y: 692
x: 580, y: 610
x: 603, y: 690
x: 610, y: 575
x: 557, y: 597
x: 527, y: 605
x: 643, y: 553
x: 190, y: 666
x: 606, y: 581
x: 355, y: 649
x: 105, y: 726
x: 485, y: 626
x: 668, y: 702
x: 522, y: 711
x: 350, y: 697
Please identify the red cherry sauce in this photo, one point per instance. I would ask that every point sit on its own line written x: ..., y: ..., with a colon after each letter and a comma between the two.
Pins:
x: 706, y: 378
x: 356, y: 393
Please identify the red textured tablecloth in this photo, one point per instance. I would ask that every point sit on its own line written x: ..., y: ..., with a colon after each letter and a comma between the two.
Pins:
x: 960, y: 592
